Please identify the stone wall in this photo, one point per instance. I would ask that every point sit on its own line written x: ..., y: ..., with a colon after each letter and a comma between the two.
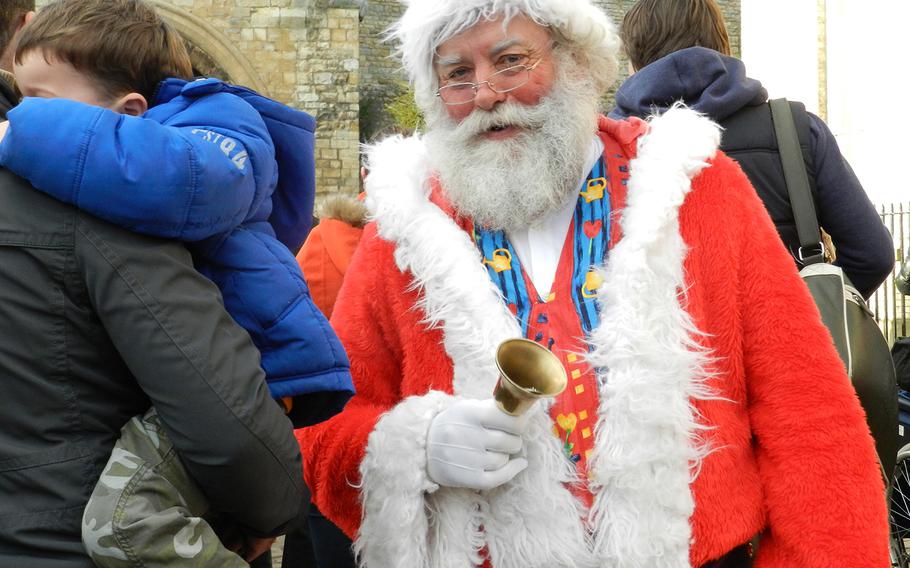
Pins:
x: 381, y: 76
x: 328, y: 63
x: 823, y: 59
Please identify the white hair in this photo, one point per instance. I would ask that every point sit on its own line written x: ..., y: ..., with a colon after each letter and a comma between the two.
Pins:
x: 579, y: 26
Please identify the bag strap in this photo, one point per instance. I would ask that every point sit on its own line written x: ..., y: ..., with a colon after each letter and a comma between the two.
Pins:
x: 811, y: 250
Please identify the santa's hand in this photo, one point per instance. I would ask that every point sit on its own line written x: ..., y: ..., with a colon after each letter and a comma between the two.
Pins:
x: 474, y: 444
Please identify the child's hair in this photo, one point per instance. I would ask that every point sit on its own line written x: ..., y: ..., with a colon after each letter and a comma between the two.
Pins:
x: 652, y: 29
x: 11, y: 11
x: 123, y: 44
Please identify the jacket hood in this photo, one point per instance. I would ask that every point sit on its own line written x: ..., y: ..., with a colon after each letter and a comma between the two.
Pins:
x: 702, y: 78
x: 293, y: 134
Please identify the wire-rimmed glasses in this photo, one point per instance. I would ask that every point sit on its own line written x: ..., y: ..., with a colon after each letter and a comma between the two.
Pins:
x: 502, y: 81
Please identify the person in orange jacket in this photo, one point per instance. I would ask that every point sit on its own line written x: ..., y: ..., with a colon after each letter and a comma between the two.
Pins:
x: 326, y: 254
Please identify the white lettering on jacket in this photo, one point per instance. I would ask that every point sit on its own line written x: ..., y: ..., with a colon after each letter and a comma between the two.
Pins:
x: 228, y: 146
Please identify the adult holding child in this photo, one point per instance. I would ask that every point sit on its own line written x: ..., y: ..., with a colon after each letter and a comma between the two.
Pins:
x: 138, y: 143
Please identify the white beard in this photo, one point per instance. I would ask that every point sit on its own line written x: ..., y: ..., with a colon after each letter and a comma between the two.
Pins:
x: 514, y: 183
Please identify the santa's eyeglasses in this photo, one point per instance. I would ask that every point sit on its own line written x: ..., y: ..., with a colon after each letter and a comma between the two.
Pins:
x: 503, y: 81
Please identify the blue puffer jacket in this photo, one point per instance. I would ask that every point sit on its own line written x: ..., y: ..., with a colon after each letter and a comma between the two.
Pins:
x: 200, y: 166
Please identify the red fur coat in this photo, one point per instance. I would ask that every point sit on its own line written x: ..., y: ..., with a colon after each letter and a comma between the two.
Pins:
x: 724, y: 410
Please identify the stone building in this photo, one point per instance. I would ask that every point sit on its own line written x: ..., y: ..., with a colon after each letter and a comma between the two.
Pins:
x: 325, y: 57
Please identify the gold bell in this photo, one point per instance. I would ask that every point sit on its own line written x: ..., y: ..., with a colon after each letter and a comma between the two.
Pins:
x: 527, y: 371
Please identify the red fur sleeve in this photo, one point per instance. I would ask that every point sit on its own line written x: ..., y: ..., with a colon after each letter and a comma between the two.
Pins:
x: 333, y: 450
x: 823, y: 492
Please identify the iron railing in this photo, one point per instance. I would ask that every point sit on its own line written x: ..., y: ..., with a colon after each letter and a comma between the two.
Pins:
x: 892, y: 309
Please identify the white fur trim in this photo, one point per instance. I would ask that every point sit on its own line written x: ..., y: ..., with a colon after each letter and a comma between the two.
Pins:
x: 646, y: 340
x: 396, y: 528
x: 534, y: 521
x: 652, y: 368
x: 457, y: 295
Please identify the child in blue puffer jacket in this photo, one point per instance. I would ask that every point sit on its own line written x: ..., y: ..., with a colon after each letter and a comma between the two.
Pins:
x: 199, y: 166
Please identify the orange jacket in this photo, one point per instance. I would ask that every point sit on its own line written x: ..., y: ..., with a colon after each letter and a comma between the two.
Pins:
x: 326, y: 254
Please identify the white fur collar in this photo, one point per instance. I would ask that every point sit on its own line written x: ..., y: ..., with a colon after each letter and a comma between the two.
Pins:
x: 644, y: 345
x: 456, y: 294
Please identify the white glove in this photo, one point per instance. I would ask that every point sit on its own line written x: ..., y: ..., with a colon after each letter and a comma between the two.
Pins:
x: 471, y: 444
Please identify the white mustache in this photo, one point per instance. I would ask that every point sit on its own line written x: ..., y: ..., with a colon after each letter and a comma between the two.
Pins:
x: 506, y: 114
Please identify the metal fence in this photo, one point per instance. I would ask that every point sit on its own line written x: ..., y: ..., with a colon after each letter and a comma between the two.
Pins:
x: 892, y: 309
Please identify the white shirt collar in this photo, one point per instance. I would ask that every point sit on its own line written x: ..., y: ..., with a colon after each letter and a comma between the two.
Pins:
x: 538, y: 247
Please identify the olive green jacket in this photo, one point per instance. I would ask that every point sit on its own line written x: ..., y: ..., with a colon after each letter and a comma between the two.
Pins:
x: 96, y: 324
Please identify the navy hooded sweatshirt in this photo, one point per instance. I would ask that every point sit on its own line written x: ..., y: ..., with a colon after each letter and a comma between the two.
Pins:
x: 717, y: 86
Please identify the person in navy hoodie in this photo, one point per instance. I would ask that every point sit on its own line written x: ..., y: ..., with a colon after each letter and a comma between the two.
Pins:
x: 680, y: 51
x: 200, y: 166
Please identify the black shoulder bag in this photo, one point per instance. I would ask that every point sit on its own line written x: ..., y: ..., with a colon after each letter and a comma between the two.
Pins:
x: 858, y: 339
